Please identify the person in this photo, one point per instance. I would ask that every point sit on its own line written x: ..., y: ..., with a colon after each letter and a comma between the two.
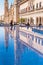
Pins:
x: 11, y: 24
x: 27, y: 24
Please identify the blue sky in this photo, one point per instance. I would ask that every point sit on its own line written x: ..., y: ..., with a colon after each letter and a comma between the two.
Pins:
x: 2, y: 5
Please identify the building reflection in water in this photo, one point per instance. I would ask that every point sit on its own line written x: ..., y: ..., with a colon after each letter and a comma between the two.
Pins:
x: 6, y: 37
x: 17, y: 47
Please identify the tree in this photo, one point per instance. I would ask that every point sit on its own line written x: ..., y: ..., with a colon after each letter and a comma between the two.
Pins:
x: 21, y: 20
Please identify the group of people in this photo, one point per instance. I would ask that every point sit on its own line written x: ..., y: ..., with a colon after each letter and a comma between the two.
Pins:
x: 11, y: 24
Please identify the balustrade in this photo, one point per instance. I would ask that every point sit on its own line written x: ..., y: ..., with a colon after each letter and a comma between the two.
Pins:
x: 25, y: 10
x: 33, y: 37
x: 37, y: 40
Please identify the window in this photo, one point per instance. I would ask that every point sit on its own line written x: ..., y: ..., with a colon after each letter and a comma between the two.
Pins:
x: 37, y: 20
x: 38, y: 40
x: 37, y: 6
x: 42, y: 41
x: 40, y: 5
x: 24, y: 10
x: 40, y: 20
x: 33, y: 7
x: 31, y: 20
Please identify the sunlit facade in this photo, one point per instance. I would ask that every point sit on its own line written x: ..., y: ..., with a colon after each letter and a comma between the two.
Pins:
x: 32, y: 11
x: 6, y: 15
x: 11, y: 13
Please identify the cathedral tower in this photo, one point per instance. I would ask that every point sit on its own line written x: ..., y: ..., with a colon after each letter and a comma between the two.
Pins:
x: 16, y: 11
x: 6, y: 15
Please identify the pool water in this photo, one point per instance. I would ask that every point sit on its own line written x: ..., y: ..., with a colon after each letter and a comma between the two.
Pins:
x: 23, y: 55
x: 37, y: 31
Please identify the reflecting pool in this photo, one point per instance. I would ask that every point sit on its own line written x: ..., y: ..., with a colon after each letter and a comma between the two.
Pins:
x: 38, y: 30
x: 14, y: 52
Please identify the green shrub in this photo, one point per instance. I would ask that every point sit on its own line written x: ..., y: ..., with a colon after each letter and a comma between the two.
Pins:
x: 21, y: 20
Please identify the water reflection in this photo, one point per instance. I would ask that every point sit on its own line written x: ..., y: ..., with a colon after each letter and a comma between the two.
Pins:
x: 17, y: 53
x: 6, y: 43
x: 16, y: 41
x: 17, y: 47
x: 6, y: 37
x: 25, y: 55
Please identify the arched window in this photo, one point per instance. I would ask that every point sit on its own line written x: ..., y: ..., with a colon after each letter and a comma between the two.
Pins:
x: 31, y: 20
x: 40, y: 20
x: 37, y: 20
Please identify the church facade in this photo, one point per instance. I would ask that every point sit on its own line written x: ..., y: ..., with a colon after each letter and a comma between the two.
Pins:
x: 11, y: 13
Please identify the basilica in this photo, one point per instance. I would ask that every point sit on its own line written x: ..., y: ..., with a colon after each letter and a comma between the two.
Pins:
x: 30, y: 10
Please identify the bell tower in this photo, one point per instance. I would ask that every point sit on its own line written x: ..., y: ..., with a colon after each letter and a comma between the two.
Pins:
x: 16, y: 11
x: 6, y: 15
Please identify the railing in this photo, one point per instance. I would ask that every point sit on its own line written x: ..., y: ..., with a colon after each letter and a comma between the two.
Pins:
x: 28, y: 10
